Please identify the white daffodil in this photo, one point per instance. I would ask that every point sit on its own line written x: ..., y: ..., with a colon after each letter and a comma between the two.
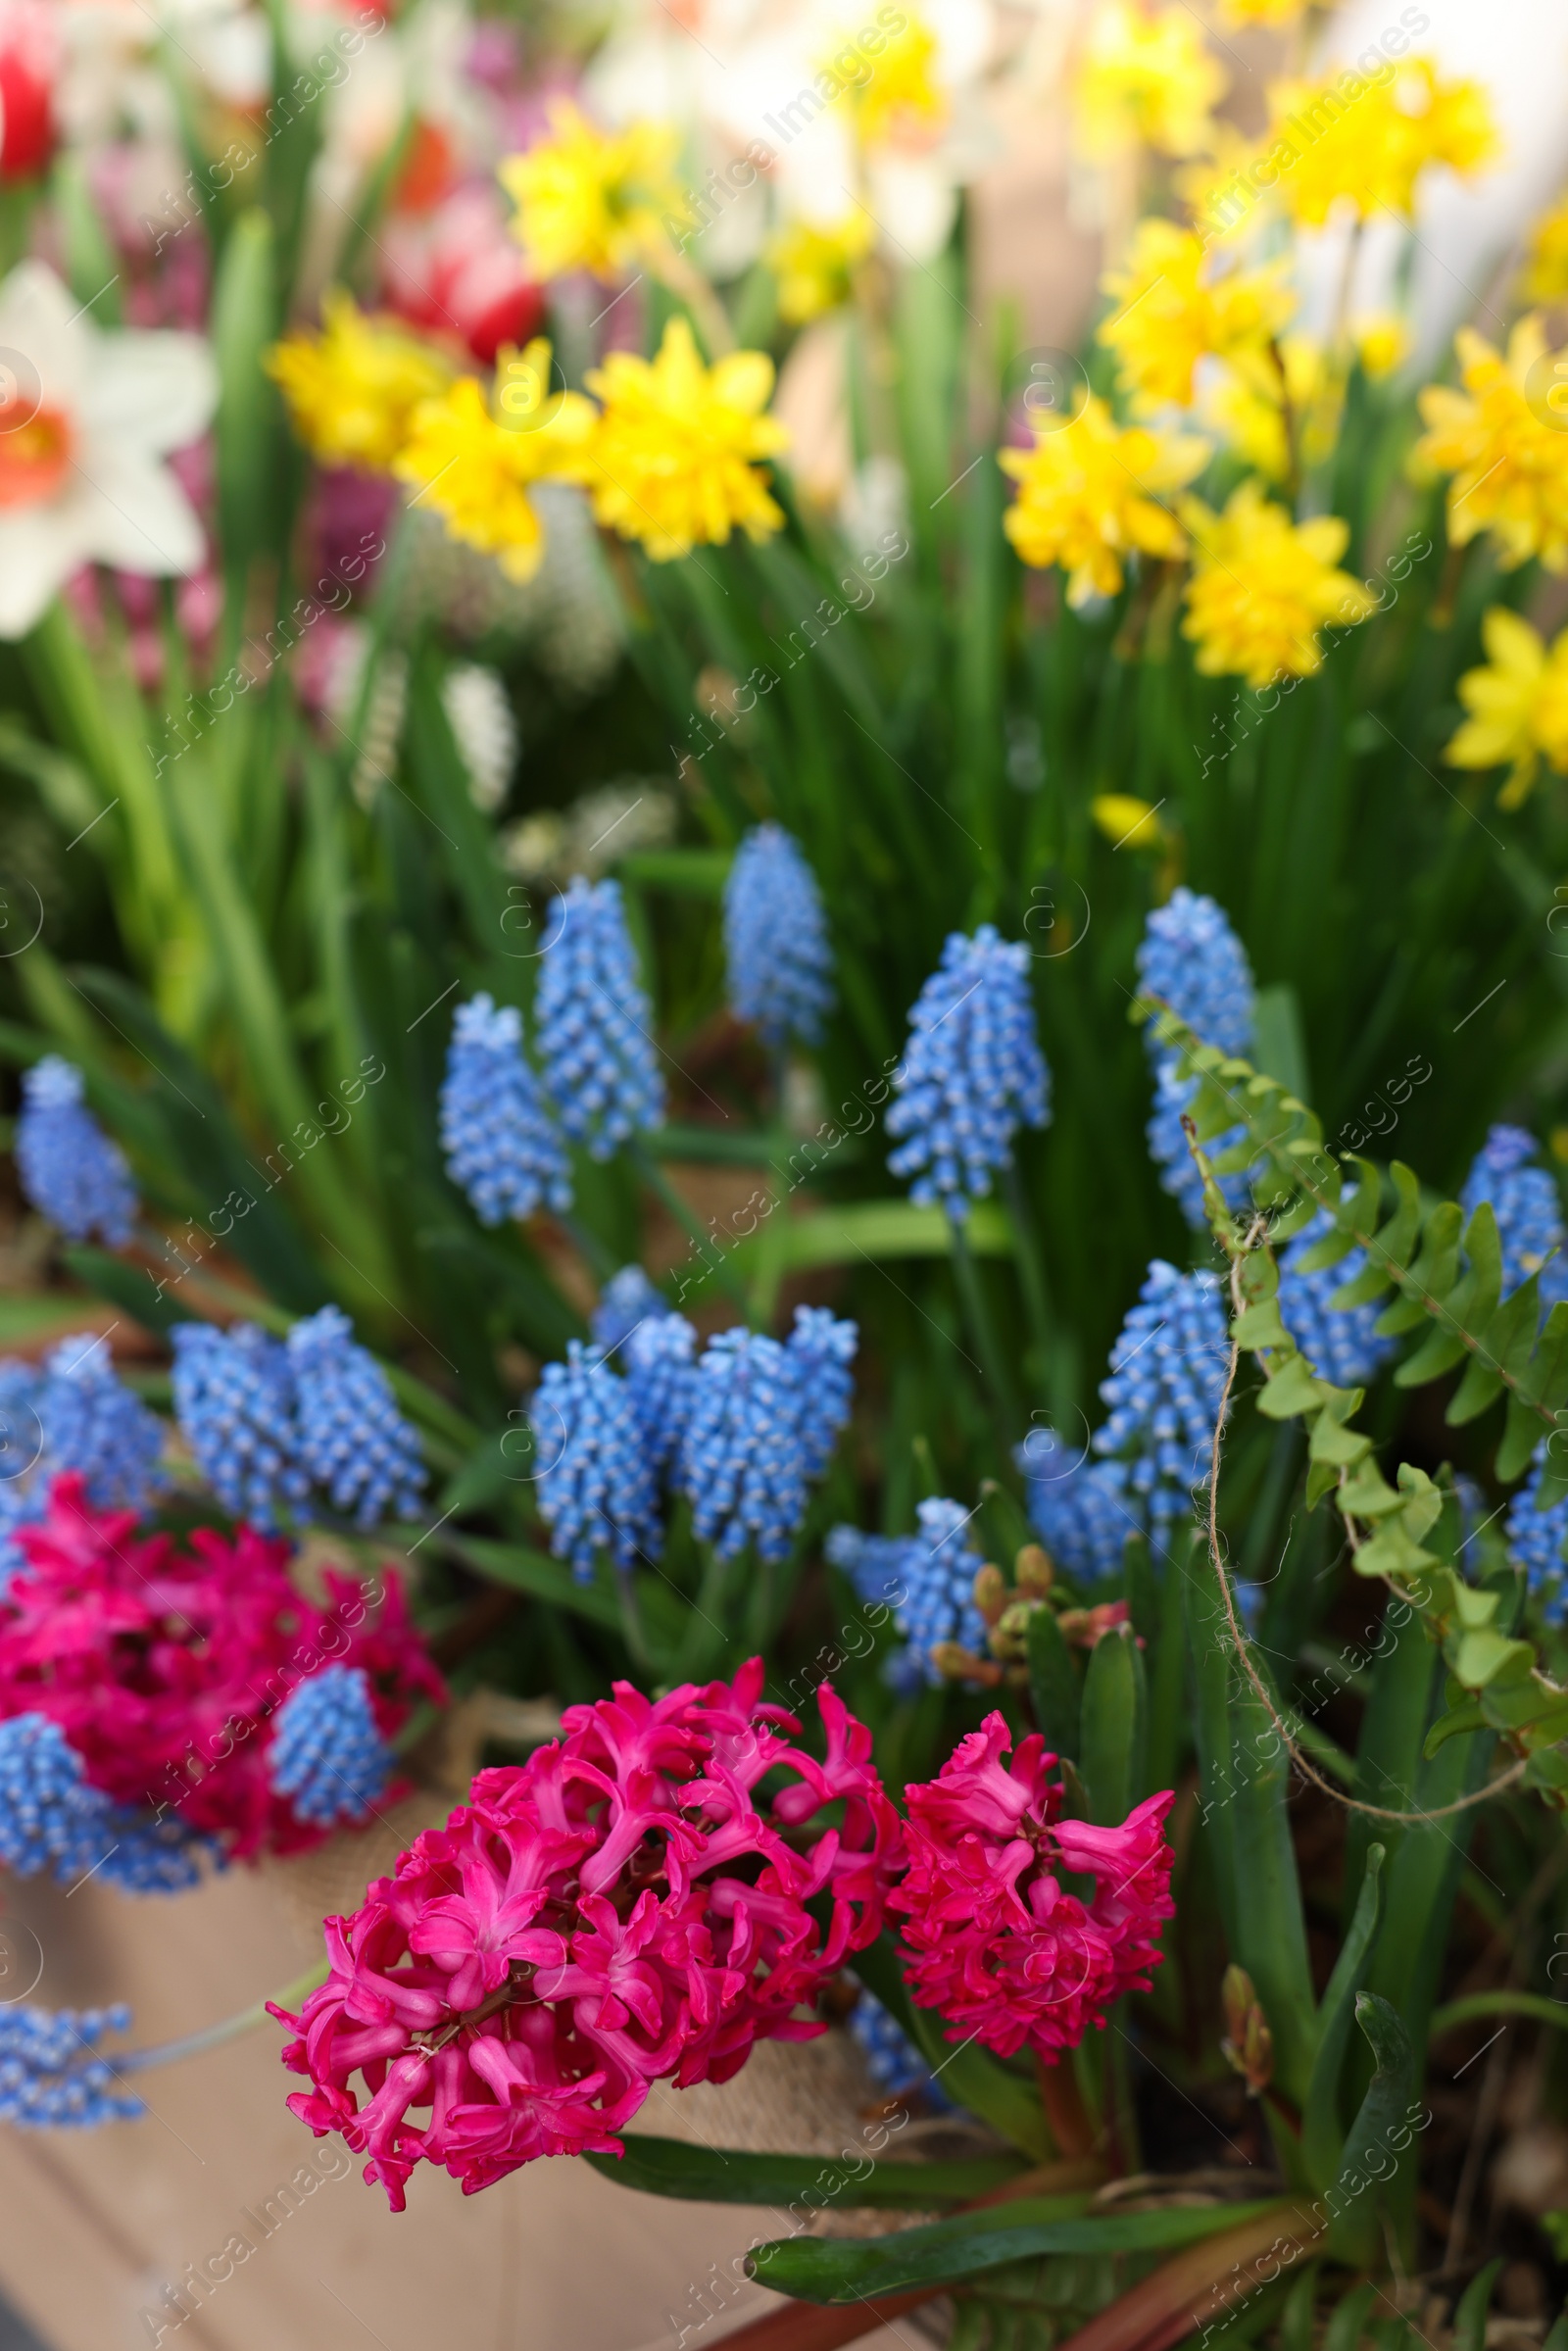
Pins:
x: 87, y: 418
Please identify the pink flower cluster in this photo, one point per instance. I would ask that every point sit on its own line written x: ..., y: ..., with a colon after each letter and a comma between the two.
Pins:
x: 619, y: 1908
x: 163, y: 1666
x: 994, y: 1942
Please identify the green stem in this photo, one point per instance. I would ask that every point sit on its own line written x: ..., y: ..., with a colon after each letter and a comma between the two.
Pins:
x: 982, y: 1329
x: 1030, y: 1269
x: 717, y: 1259
x: 1478, y: 2004
x: 212, y: 2036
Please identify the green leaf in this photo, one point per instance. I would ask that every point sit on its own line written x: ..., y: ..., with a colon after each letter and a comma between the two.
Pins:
x: 828, y: 2270
x: 537, y: 1574
x: 244, y: 321
x: 1470, y: 2312
x: 1112, y: 1728
x: 1322, y: 2135
x: 1379, y: 2138
x: 669, y: 2167
x: 1053, y: 1683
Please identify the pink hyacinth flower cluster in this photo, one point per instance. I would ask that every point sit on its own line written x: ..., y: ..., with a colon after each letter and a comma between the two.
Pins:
x: 994, y: 1939
x: 619, y: 1908
x: 163, y: 1666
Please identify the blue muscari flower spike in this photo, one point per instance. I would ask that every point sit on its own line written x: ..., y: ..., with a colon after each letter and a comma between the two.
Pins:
x: 1167, y: 1147
x: 1193, y: 961
x: 72, y: 1414
x: 236, y: 1403
x: 353, y: 1440
x: 627, y: 1298
x: 821, y: 1349
x: 928, y: 1581
x: 52, y: 1819
x: 775, y: 939
x: 744, y: 1460
x: 1075, y: 1506
x: 891, y: 2059
x: 593, y: 1023
x: 1536, y: 1540
x: 659, y: 1352
x: 597, y: 1487
x: 51, y: 2077
x: 1340, y: 1342
x: 1528, y: 1207
x: 973, y: 1072
x: 1167, y: 1374
x: 327, y: 1756
x: 70, y: 1169
x: 93, y: 1423
x: 500, y: 1141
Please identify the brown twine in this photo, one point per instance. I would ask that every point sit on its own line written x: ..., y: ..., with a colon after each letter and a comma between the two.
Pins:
x: 1309, y: 1771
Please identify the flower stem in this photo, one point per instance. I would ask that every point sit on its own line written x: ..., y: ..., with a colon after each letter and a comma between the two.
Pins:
x: 716, y: 1259
x: 1065, y: 2111
x: 982, y: 1329
x: 232, y: 2028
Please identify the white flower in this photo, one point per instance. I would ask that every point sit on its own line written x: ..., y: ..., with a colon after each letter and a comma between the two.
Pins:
x: 85, y: 420
x: 480, y: 714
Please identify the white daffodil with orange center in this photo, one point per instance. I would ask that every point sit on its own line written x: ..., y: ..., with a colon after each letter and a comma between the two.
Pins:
x: 86, y: 421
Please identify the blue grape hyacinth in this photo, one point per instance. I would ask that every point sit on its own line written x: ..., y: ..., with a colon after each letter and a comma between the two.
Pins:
x: 72, y: 1414
x: 597, y: 1487
x: 1528, y: 1207
x: 1163, y: 1388
x: 627, y: 1298
x: 1340, y: 1342
x: 745, y: 1458
x: 51, y: 1819
x: 500, y: 1144
x: 660, y: 1354
x: 821, y: 1349
x: 775, y: 939
x: 1536, y: 1538
x: 891, y: 2059
x: 1193, y: 961
x: 236, y: 1403
x: 95, y: 1425
x: 353, y: 1440
x: 927, y: 1579
x: 70, y: 1169
x: 1075, y: 1506
x: 327, y: 1756
x: 593, y: 1023
x: 52, y: 2077
x: 972, y: 1073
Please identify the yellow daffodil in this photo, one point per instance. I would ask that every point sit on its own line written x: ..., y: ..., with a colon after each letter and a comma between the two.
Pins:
x: 1128, y: 822
x: 472, y: 463
x: 591, y: 199
x: 814, y: 264
x: 1348, y: 142
x: 903, y: 98
x: 1504, y: 439
x: 674, y: 462
x: 1263, y: 12
x: 1145, y: 80
x: 1546, y: 270
x: 352, y: 389
x: 1174, y: 307
x: 1089, y: 497
x: 1262, y: 587
x: 1382, y: 343
x: 1518, y: 705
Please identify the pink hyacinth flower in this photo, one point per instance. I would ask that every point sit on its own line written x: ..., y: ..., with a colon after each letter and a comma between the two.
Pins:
x: 993, y: 1938
x: 621, y: 1909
